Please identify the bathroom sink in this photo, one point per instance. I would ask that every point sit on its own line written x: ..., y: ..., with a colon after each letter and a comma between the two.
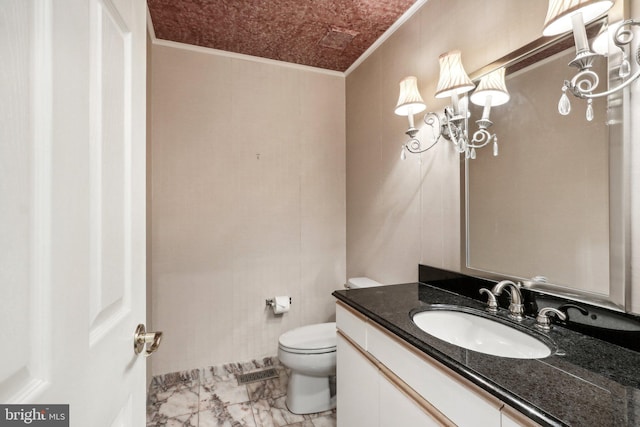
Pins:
x: 482, y: 334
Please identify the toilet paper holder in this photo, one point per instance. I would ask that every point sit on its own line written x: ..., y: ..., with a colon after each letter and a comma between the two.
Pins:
x: 272, y: 302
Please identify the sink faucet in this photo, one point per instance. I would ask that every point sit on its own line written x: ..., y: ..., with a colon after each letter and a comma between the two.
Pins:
x: 516, y: 308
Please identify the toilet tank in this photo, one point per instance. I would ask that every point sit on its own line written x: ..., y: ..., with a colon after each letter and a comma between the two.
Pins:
x: 361, y: 282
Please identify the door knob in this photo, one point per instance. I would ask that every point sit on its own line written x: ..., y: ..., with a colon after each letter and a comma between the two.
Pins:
x: 142, y: 339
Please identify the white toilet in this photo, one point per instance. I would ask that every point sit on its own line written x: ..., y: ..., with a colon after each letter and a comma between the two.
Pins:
x: 310, y: 353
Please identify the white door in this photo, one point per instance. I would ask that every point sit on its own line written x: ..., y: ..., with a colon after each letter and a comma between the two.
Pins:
x: 72, y: 206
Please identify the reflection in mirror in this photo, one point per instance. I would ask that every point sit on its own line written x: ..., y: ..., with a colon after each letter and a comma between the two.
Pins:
x: 541, y: 211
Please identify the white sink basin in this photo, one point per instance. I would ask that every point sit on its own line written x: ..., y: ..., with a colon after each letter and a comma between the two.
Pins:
x: 480, y: 334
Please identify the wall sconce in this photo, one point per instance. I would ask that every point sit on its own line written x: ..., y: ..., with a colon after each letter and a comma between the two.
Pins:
x: 491, y: 92
x: 565, y: 15
x: 454, y: 83
x: 409, y: 103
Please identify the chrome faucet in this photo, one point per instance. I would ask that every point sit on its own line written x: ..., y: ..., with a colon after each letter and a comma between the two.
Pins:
x: 516, y: 308
x: 542, y: 320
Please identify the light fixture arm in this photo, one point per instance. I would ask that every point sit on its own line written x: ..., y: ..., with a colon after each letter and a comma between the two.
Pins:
x: 454, y: 129
x: 583, y: 83
x: 482, y: 136
x: 573, y: 86
x: 449, y: 126
x: 414, y: 145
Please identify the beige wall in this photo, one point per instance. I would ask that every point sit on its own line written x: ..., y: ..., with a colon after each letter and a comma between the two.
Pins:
x: 248, y: 201
x: 400, y: 213
x: 230, y: 230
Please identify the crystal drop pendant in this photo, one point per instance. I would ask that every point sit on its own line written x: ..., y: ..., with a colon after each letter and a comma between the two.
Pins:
x: 590, y: 110
x: 473, y: 153
x: 495, y: 147
x: 462, y: 146
x: 625, y: 68
x: 403, y: 154
x: 564, y: 106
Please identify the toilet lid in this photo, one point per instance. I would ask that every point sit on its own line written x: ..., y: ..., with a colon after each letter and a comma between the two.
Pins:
x: 310, y: 338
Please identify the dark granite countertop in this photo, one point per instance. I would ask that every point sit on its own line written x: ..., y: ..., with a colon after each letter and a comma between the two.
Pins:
x: 585, y: 382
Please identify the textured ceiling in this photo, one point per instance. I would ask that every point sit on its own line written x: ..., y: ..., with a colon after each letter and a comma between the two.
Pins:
x: 328, y: 34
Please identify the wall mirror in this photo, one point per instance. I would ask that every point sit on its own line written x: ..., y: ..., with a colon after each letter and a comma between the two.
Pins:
x: 551, y: 209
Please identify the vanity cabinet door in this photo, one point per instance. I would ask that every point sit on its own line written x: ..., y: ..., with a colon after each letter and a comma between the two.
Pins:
x: 357, y: 379
x: 397, y: 409
x: 368, y: 398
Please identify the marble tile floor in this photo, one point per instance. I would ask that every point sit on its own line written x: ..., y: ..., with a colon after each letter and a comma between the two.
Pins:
x: 211, y: 397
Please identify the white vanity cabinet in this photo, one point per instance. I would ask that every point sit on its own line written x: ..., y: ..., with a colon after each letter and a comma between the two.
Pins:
x: 383, y: 381
x: 367, y: 397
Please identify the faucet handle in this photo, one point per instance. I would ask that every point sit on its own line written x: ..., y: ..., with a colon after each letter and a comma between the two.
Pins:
x: 542, y: 319
x: 491, y: 300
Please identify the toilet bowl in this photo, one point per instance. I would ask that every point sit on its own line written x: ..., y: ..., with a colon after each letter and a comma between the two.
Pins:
x: 310, y: 353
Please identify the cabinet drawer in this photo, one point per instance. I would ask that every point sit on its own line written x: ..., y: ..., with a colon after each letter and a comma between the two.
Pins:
x: 352, y: 324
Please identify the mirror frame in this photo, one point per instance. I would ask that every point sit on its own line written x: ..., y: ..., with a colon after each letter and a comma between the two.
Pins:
x: 619, y: 183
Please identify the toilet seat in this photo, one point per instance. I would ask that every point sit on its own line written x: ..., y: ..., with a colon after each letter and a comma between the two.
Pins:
x: 310, y: 339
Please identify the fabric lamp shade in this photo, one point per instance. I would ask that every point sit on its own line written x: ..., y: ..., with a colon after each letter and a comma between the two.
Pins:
x: 492, y: 85
x: 560, y: 12
x: 453, y: 77
x: 409, y: 102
